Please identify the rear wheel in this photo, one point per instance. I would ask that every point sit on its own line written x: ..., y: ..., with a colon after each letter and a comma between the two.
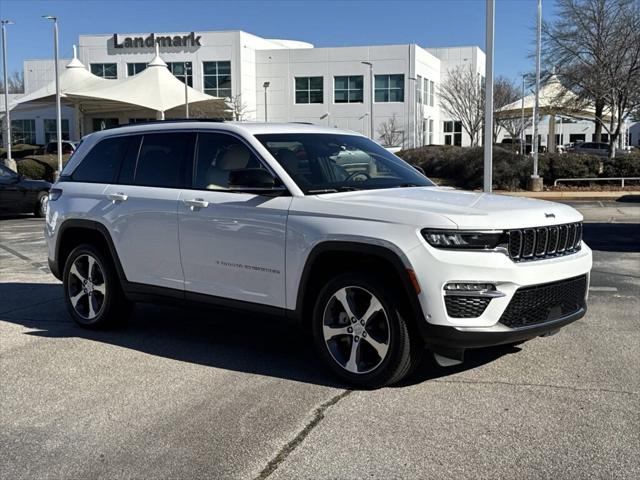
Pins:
x: 92, y: 291
x: 40, y: 208
x: 360, y: 332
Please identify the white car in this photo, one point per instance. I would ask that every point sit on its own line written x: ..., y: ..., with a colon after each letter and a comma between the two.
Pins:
x: 374, y: 259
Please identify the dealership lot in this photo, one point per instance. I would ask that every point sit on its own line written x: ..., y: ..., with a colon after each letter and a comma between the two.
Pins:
x: 188, y: 394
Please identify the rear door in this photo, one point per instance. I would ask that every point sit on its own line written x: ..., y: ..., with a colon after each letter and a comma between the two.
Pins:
x: 232, y: 243
x: 10, y: 196
x: 143, y: 210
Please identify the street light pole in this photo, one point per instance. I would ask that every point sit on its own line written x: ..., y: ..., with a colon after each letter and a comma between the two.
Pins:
x: 522, y: 136
x: 488, y: 101
x: 536, y: 181
x: 58, y: 104
x: 7, y: 119
x: 186, y: 91
x: 265, y: 85
x: 371, y: 96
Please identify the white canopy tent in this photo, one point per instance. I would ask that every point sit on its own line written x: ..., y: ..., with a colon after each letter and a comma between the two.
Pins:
x: 155, y: 88
x: 554, y: 100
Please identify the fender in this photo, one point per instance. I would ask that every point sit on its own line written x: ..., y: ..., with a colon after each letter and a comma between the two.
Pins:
x: 94, y: 226
x: 383, y: 252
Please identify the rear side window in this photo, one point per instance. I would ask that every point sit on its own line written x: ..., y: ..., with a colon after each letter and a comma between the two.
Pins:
x: 163, y: 160
x: 102, y: 163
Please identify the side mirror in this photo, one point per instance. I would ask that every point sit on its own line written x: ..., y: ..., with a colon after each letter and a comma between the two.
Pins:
x: 420, y: 169
x: 252, y: 179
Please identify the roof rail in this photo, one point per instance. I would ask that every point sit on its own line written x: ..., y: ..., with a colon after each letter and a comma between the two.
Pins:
x: 171, y: 120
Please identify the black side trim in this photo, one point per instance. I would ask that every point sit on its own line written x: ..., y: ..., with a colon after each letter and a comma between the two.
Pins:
x: 453, y: 338
x: 139, y: 292
x: 360, y: 248
x: 88, y: 225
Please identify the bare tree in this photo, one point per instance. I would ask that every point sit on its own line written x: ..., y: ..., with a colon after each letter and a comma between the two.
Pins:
x: 462, y: 98
x: 505, y: 92
x: 595, y: 47
x: 16, y: 83
x: 391, y: 132
x: 239, y: 109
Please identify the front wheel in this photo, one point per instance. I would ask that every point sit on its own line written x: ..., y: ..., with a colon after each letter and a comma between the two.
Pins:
x: 360, y: 332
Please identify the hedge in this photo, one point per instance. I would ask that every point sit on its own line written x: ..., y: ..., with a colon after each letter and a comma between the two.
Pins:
x: 463, y: 167
x: 40, y: 167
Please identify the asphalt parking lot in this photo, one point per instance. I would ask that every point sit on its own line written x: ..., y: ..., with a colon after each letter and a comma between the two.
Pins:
x: 188, y: 394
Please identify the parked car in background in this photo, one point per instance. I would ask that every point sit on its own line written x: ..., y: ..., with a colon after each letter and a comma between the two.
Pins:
x: 590, y: 148
x: 67, y: 147
x: 22, y: 195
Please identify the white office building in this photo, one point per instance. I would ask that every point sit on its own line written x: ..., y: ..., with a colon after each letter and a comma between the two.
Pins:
x: 280, y: 80
x: 299, y: 83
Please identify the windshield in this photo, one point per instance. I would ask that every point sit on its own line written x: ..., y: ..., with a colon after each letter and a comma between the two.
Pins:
x: 325, y: 163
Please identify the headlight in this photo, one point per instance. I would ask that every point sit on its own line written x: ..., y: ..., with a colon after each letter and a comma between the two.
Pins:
x: 463, y: 239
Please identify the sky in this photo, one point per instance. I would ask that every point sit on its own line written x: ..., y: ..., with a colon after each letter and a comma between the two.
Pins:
x: 328, y: 23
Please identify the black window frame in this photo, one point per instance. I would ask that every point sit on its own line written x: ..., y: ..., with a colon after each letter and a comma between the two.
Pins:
x: 103, y: 67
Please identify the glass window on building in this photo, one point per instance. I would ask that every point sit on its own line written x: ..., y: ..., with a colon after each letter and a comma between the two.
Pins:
x: 217, y: 79
x: 23, y: 131
x: 105, y: 70
x: 50, y: 130
x: 178, y: 70
x: 431, y: 93
x: 104, y: 123
x: 431, y: 131
x: 141, y: 120
x: 418, y: 89
x: 425, y: 98
x: 389, y: 88
x: 309, y: 90
x: 135, y: 68
x: 573, y: 137
x: 348, y: 89
x: 604, y: 137
x: 453, y: 133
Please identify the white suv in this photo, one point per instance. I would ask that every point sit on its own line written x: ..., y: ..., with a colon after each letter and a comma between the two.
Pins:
x: 316, y: 224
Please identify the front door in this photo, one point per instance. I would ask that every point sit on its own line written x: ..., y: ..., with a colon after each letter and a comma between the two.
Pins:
x: 232, y: 244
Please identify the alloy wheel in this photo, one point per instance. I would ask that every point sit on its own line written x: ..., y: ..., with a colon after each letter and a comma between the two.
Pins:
x: 87, y: 287
x: 356, y: 329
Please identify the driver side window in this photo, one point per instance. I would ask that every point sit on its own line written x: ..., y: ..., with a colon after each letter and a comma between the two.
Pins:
x: 6, y: 174
x: 218, y: 154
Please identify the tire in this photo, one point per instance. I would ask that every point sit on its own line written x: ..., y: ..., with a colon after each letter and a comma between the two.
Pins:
x: 42, y: 203
x: 94, y: 301
x: 368, y: 350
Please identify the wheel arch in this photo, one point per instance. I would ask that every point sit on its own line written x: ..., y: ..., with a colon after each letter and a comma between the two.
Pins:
x: 332, y: 257
x: 74, y: 232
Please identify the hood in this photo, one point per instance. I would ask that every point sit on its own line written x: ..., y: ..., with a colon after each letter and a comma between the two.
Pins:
x: 467, y: 210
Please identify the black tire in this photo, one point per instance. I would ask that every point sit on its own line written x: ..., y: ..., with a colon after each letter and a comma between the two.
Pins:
x: 111, y: 307
x: 40, y: 208
x: 403, y: 348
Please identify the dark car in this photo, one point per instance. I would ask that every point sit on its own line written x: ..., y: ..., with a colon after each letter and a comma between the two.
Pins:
x: 67, y: 147
x: 590, y: 148
x: 22, y: 195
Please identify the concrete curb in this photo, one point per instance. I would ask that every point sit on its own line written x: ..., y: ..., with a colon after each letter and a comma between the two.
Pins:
x: 574, y: 195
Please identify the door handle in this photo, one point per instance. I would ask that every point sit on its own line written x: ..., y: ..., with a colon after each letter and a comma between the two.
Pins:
x: 196, y: 203
x: 117, y: 197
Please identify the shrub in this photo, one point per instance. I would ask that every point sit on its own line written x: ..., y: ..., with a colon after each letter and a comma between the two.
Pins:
x: 623, y: 166
x: 566, y: 165
x: 40, y: 167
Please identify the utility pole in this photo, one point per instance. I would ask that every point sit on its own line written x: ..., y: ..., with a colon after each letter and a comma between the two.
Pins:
x: 488, y: 101
x: 371, y: 97
x: 265, y: 86
x: 7, y: 118
x: 536, y: 181
x: 186, y: 91
x: 58, y: 104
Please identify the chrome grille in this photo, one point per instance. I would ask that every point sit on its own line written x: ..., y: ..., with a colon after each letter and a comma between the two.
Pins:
x: 544, y: 242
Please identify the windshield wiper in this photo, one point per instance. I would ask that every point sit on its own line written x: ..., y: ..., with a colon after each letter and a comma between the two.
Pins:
x: 403, y: 185
x: 346, y: 188
x: 324, y: 190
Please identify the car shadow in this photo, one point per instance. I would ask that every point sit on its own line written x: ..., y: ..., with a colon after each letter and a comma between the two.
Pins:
x: 221, y: 339
x: 612, y: 237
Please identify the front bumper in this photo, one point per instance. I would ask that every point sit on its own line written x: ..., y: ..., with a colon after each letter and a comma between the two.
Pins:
x: 440, y: 337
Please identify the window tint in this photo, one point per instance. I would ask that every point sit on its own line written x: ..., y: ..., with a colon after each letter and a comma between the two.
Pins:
x: 218, y: 154
x: 103, y: 161
x: 163, y: 160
